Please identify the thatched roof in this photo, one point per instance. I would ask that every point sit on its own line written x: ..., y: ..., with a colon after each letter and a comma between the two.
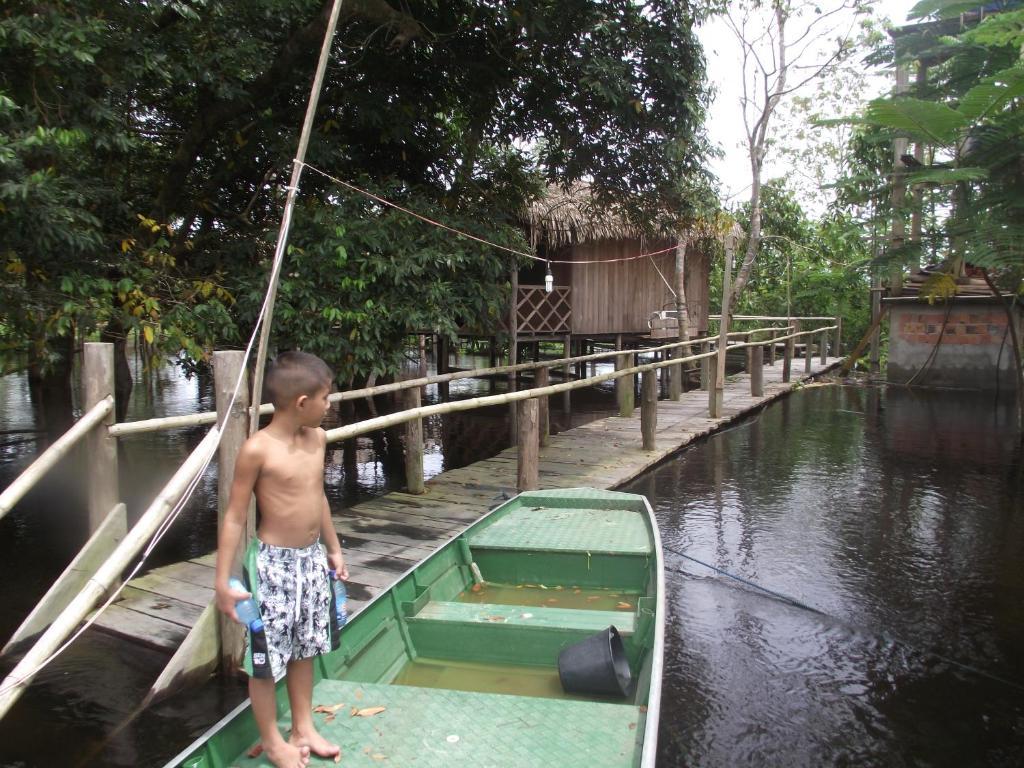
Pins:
x: 572, y: 216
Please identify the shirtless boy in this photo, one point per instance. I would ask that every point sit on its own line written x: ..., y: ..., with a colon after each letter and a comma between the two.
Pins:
x: 286, y: 566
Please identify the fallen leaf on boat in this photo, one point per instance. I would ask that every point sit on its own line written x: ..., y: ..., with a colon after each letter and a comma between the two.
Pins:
x: 593, y: 597
x: 255, y: 751
x: 542, y: 586
x: 368, y: 711
x: 476, y: 587
x: 559, y: 587
x: 576, y: 591
x: 632, y: 726
x: 494, y: 618
x: 378, y: 756
x: 328, y: 710
x: 354, y: 712
x: 642, y: 709
x: 551, y: 600
x: 623, y: 606
x: 526, y: 615
x: 329, y: 719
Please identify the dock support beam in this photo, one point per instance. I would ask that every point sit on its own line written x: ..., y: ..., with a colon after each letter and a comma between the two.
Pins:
x: 567, y: 370
x: 227, y: 367
x: 675, y: 374
x: 787, y: 361
x: 104, y: 491
x: 413, y: 445
x: 808, y: 354
x: 649, y: 409
x: 713, y: 406
x: 528, y: 453
x: 824, y: 348
x: 757, y: 371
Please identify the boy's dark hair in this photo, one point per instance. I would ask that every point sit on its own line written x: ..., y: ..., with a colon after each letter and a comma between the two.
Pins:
x: 293, y: 374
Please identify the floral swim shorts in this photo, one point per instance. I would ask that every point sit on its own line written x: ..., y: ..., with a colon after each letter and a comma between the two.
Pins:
x: 293, y: 590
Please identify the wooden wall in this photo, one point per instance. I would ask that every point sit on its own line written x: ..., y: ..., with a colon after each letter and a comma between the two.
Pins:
x: 618, y: 297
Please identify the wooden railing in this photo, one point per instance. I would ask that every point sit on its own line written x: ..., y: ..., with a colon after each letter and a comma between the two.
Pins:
x: 67, y: 606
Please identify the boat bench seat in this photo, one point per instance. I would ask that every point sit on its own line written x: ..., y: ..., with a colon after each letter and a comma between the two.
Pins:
x: 510, y: 634
x: 527, y: 616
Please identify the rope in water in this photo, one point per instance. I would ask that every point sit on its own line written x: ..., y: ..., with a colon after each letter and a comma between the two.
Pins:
x: 804, y: 606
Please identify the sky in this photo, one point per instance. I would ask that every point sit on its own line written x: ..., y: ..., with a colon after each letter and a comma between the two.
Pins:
x: 725, y: 118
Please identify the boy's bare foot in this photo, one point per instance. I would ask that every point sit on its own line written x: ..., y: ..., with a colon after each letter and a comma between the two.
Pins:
x: 315, y: 743
x: 285, y: 754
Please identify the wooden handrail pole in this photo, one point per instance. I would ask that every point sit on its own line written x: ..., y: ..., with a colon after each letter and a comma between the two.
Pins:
x: 228, y: 366
x: 705, y: 366
x: 787, y: 360
x: 543, y: 417
x: 675, y: 375
x: 757, y: 371
x: 772, y: 351
x: 527, y: 446
x: 413, y: 445
x: 749, y: 352
x: 824, y: 348
x: 713, y: 410
x: 625, y: 386
x: 60, y: 448
x: 808, y: 352
x: 649, y: 409
x: 101, y: 447
x: 839, y: 335
x: 567, y: 375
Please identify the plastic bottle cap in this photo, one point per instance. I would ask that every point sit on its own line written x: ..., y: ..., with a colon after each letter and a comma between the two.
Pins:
x: 256, y: 626
x: 334, y: 574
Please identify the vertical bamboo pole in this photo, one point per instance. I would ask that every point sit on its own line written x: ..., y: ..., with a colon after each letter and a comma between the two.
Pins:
x: 824, y: 348
x: 723, y: 330
x: 874, y: 356
x: 422, y: 339
x: 772, y: 352
x: 757, y: 371
x: 227, y: 367
x: 839, y: 337
x: 712, y: 388
x: 513, y: 351
x: 543, y: 417
x: 413, y: 445
x: 808, y: 353
x: 441, y: 363
x: 787, y: 360
x: 625, y: 386
x: 567, y: 372
x: 649, y: 409
x: 528, y: 453
x: 705, y: 366
x: 101, y: 447
x: 675, y: 374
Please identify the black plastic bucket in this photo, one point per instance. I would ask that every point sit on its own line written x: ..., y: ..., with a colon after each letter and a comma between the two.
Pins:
x: 596, y: 665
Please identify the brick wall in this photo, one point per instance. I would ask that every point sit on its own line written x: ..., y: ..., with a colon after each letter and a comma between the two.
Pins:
x: 962, y: 326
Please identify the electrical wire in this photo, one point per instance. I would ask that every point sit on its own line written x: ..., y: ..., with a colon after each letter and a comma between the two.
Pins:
x: 462, y: 233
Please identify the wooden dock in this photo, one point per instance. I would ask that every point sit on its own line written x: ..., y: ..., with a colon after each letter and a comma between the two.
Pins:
x: 386, y: 536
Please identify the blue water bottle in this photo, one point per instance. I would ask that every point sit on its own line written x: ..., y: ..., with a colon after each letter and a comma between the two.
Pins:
x: 340, y: 598
x: 247, y: 610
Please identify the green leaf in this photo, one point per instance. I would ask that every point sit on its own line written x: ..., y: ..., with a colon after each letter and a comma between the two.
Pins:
x: 943, y: 9
x: 947, y: 175
x: 917, y: 119
x: 992, y: 93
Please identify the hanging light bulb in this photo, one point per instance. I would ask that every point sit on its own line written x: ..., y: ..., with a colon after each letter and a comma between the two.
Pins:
x: 549, y: 280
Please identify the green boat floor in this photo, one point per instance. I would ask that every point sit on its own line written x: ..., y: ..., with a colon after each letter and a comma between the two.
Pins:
x: 442, y: 728
x: 553, y: 529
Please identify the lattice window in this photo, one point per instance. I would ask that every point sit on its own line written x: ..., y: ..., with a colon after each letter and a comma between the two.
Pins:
x: 538, y: 311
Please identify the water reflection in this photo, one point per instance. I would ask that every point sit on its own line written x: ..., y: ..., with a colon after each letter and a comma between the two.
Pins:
x: 895, y: 513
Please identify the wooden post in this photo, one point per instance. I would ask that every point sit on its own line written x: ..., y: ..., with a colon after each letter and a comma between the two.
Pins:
x: 824, y: 348
x: 513, y: 352
x: 712, y: 389
x: 625, y: 386
x: 649, y: 409
x: 567, y: 372
x: 101, y: 447
x: 413, y: 445
x: 839, y: 337
x: 808, y: 353
x: 527, y: 455
x: 772, y: 352
x: 723, y: 327
x: 492, y: 352
x: 874, y: 357
x: 227, y: 367
x: 749, y: 352
x: 543, y: 418
x: 675, y: 374
x: 757, y: 371
x: 787, y: 360
x: 441, y: 363
x: 705, y: 365
x: 422, y: 339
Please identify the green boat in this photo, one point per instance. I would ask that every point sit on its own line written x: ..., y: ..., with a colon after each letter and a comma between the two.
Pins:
x: 458, y: 662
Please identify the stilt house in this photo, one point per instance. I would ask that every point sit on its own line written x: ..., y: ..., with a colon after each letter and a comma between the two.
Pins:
x: 605, y: 288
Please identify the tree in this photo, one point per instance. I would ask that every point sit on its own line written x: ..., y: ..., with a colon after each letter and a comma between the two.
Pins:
x: 144, y: 150
x: 784, y: 46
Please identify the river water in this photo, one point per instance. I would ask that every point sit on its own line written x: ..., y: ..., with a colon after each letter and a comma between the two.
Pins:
x: 894, y: 514
x: 899, y: 517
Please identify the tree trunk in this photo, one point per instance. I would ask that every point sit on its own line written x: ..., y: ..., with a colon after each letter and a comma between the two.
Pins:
x: 115, y: 334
